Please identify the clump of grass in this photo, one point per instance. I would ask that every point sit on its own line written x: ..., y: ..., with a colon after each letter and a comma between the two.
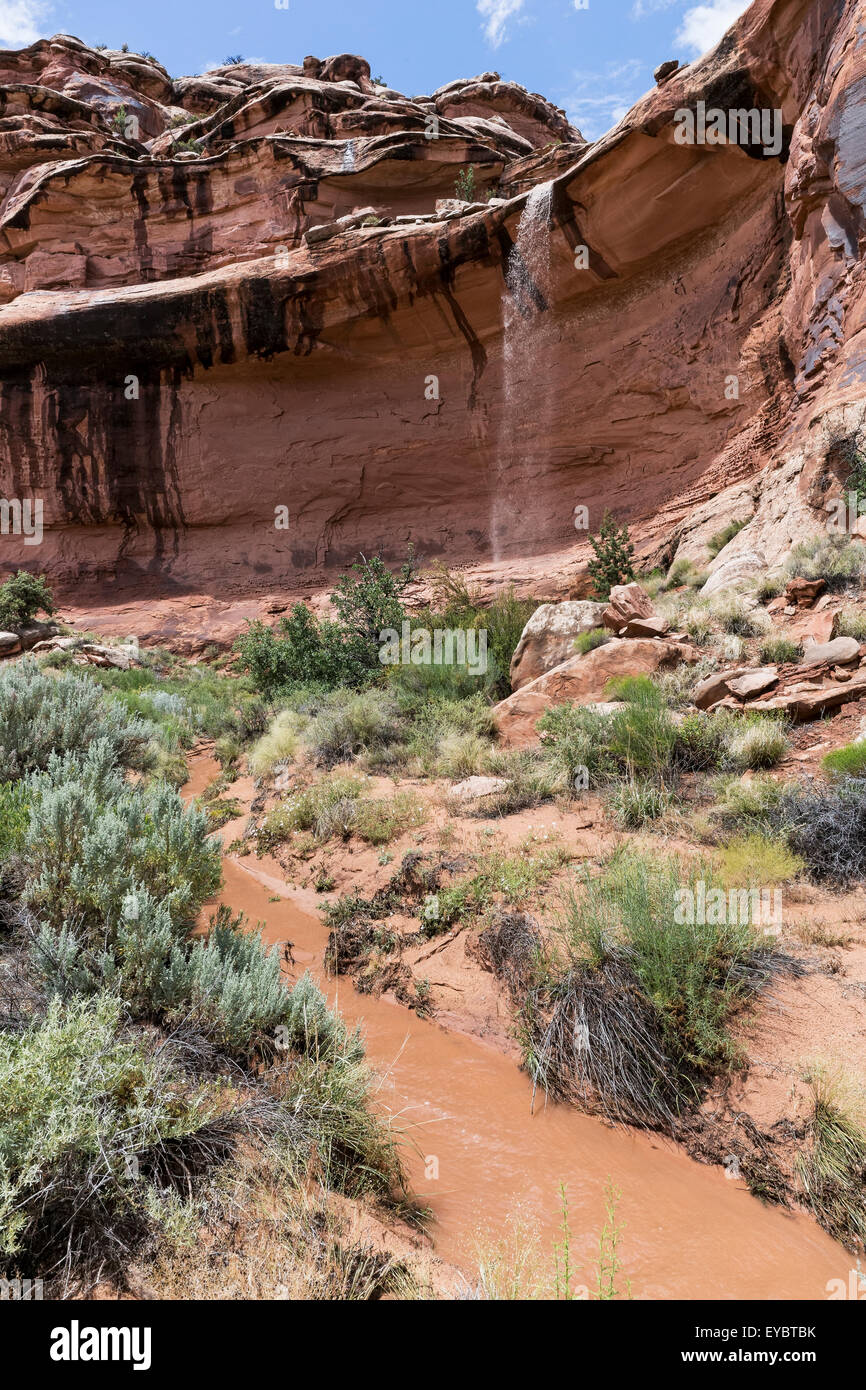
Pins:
x: 278, y: 746
x: 750, y: 806
x: 588, y: 641
x: 760, y: 859
x: 533, y: 779
x: 769, y: 587
x: 851, y: 622
x: 379, y: 821
x: 463, y: 754
x: 698, y: 623
x: 350, y: 722
x: 336, y: 808
x: 832, y: 1167
x: 638, y: 803
x: 722, y: 538
x: 849, y: 761
x: 701, y: 743
x: 760, y: 742
x: 734, y: 616
x: 838, y: 560
x: 775, y: 651
x: 682, y: 572
x: 634, y: 1016
x: 325, y: 809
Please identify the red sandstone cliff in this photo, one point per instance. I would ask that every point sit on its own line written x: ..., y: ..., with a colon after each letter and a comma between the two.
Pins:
x: 278, y: 365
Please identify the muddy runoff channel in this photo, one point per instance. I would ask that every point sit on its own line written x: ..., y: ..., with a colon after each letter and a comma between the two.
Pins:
x: 484, y: 1160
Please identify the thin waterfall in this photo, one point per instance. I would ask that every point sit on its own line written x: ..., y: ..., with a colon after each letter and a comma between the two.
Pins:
x: 525, y: 388
x: 349, y: 157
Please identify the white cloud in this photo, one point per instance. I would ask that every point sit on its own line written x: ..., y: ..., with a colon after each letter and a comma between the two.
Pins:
x: 600, y: 99
x: 496, y: 14
x: 23, y: 21
x: 641, y: 8
x: 703, y: 26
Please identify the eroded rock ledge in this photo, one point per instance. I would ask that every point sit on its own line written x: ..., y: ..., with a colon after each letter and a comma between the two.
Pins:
x: 178, y: 359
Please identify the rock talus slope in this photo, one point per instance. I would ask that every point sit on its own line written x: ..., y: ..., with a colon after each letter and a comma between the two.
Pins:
x: 247, y: 330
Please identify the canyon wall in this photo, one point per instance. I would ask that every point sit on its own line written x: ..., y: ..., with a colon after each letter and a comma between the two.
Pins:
x: 214, y: 383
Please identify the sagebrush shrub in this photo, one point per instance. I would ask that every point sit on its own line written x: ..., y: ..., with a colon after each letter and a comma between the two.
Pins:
x: 92, y: 839
x: 42, y: 715
x: 81, y: 1101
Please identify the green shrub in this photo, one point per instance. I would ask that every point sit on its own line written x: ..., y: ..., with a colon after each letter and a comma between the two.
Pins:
x: 14, y: 816
x: 849, y: 761
x: 588, y: 641
x: 464, y: 184
x: 305, y: 649
x: 42, y: 715
x: 504, y: 621
x: 613, y: 561
x: 759, y: 859
x: 85, y: 1108
x: 691, y: 971
x: 22, y: 597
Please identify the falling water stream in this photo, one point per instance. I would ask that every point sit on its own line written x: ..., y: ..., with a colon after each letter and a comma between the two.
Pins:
x: 687, y: 1230
x: 348, y: 166
x: 526, y: 388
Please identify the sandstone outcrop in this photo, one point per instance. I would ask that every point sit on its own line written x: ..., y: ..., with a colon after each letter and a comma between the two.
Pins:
x: 583, y: 680
x: 179, y: 366
x: 549, y: 636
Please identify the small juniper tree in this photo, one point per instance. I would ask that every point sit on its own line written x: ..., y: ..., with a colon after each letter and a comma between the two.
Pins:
x: 464, y: 185
x: 22, y: 597
x: 614, y: 557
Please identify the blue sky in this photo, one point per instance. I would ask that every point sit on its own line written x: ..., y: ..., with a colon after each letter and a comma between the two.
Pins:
x: 594, y: 57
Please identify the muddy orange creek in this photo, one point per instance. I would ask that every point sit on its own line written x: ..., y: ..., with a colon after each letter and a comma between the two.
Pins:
x: 482, y: 1158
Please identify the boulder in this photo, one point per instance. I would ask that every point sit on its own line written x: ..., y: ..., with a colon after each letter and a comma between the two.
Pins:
x: 809, y: 625
x: 836, y: 653
x: 753, y: 682
x: 10, y: 643
x: 90, y: 653
x: 802, y: 593
x: 802, y: 704
x: 476, y: 788
x: 714, y: 687
x: 582, y: 680
x: 627, y: 603
x: 665, y: 71
x: 655, y: 626
x: 31, y: 633
x: 548, y: 638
